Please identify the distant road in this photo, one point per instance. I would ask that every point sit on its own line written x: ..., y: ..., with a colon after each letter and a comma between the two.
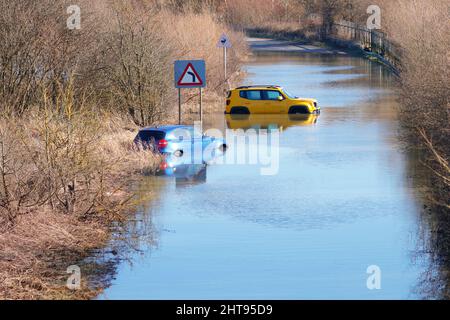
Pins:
x: 271, y: 45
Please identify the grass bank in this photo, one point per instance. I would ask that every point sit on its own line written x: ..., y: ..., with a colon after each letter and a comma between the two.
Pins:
x: 66, y: 175
x: 419, y: 28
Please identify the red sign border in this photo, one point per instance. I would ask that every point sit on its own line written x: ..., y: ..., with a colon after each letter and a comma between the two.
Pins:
x: 184, y: 73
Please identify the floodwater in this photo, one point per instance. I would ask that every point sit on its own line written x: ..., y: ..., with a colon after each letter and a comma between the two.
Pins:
x: 340, y: 199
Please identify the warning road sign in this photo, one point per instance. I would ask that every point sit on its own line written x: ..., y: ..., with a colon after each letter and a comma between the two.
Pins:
x: 190, y: 77
x: 190, y: 74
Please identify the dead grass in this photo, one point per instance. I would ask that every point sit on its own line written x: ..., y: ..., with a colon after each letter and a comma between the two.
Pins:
x: 43, y: 241
x: 243, y: 14
x: 36, y: 253
x: 66, y: 175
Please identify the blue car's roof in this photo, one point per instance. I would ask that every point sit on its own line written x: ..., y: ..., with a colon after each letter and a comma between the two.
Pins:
x: 166, y: 128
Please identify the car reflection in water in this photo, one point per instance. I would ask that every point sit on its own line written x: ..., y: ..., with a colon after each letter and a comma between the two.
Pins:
x: 185, y: 170
x: 184, y: 174
x: 269, y: 121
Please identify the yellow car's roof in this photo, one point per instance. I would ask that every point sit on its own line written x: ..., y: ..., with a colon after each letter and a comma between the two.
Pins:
x: 258, y: 87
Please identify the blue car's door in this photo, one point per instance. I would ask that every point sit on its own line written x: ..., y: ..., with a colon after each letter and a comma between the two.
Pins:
x: 206, y: 141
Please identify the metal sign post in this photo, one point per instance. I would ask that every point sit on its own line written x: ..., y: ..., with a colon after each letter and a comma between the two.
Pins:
x: 189, y: 74
x: 201, y: 111
x: 225, y: 43
x: 179, y: 106
x: 225, y: 63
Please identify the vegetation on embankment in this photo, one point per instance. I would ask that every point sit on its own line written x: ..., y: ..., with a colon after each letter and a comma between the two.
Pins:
x: 420, y: 28
x: 71, y: 102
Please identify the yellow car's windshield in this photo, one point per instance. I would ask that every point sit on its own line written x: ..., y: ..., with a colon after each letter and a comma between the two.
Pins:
x: 289, y: 95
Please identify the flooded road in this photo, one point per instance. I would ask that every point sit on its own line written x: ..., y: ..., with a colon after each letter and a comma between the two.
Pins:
x: 341, y: 201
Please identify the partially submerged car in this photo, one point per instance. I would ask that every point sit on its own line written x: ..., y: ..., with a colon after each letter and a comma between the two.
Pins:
x: 268, y: 99
x: 177, y: 144
x: 177, y: 139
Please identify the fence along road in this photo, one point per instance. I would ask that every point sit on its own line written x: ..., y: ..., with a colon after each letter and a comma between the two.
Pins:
x: 372, y: 41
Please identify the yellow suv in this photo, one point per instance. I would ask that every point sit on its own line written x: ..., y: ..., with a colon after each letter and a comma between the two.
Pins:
x: 268, y: 99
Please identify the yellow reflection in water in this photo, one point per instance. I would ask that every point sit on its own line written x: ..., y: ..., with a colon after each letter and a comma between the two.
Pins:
x: 269, y: 121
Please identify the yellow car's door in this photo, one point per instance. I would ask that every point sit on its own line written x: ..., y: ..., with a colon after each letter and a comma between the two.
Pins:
x: 273, y: 101
x: 255, y: 101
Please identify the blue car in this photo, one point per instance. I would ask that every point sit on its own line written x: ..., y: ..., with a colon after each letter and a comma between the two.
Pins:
x: 177, y: 140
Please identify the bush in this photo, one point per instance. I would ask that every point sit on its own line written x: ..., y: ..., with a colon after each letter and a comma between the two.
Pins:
x: 138, y: 65
x: 63, y: 156
x: 419, y: 29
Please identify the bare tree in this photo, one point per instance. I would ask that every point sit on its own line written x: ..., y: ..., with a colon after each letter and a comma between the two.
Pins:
x: 138, y: 65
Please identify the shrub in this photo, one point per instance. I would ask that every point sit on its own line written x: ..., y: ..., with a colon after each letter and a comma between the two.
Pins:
x: 138, y: 65
x: 64, y: 157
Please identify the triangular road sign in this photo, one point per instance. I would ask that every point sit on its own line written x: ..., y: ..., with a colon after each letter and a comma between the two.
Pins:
x: 190, y: 77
